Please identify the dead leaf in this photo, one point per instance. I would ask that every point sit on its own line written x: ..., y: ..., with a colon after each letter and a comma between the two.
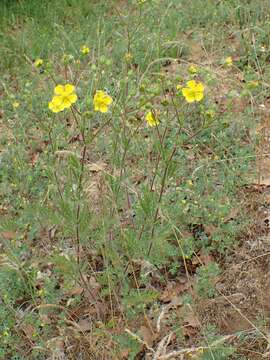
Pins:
x: 147, y: 335
x: 233, y: 214
x: 210, y: 229
x: 173, y: 291
x: 84, y: 325
x: 56, y: 344
x: 8, y: 235
x: 29, y: 330
x: 75, y: 291
x: 189, y: 331
x: 146, y: 268
x: 206, y: 259
x: 3, y: 209
x: 191, y: 320
x: 124, y: 354
x: 97, y: 166
x: 52, y: 231
x: 191, y: 324
x: 265, y: 182
x: 34, y: 158
x: 202, y: 259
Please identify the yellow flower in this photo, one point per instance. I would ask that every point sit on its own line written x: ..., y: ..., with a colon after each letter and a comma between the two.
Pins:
x: 193, y: 69
x: 64, y: 97
x: 85, y: 50
x: 38, y: 63
x: 194, y: 91
x: 56, y: 104
x: 102, y: 101
x: 229, y: 61
x: 16, y: 104
x: 151, y: 119
x: 128, y: 57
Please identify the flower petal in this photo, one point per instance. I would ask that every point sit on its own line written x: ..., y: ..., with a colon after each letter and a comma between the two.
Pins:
x: 103, y: 108
x: 199, y: 87
x: 198, y: 96
x: 188, y: 94
x: 69, y: 89
x: 66, y: 103
x: 59, y: 90
x: 151, y: 119
x: 107, y: 100
x: 73, y: 98
x: 191, y: 84
x: 57, y: 100
x: 55, y: 108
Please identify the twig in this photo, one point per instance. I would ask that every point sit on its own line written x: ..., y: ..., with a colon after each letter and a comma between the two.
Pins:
x: 185, y: 351
x: 136, y: 337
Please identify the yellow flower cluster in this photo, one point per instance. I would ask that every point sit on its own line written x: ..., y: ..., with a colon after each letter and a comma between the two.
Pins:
x: 64, y: 97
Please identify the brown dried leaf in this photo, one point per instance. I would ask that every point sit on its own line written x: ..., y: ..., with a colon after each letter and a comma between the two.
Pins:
x: 189, y: 331
x: 124, y: 354
x: 191, y: 320
x: 84, y: 325
x: 8, y: 235
x: 97, y: 166
x: 75, y: 291
x: 202, y: 259
x: 206, y: 259
x: 34, y: 158
x: 210, y: 229
x: 265, y: 182
x: 173, y: 290
x: 56, y: 344
x: 147, y: 335
x: 29, y: 330
x: 191, y: 325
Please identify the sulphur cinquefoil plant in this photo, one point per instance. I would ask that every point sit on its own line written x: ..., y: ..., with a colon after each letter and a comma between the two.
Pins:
x: 121, y: 157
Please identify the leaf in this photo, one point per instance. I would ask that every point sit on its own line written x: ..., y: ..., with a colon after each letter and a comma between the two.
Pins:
x: 124, y: 354
x: 34, y: 158
x: 8, y: 235
x: 29, y: 330
x: 191, y: 320
x: 173, y: 290
x: 56, y: 345
x: 191, y: 324
x: 75, y: 291
x: 84, y: 325
x: 202, y: 259
x: 97, y: 166
x: 147, y: 335
x: 265, y: 182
